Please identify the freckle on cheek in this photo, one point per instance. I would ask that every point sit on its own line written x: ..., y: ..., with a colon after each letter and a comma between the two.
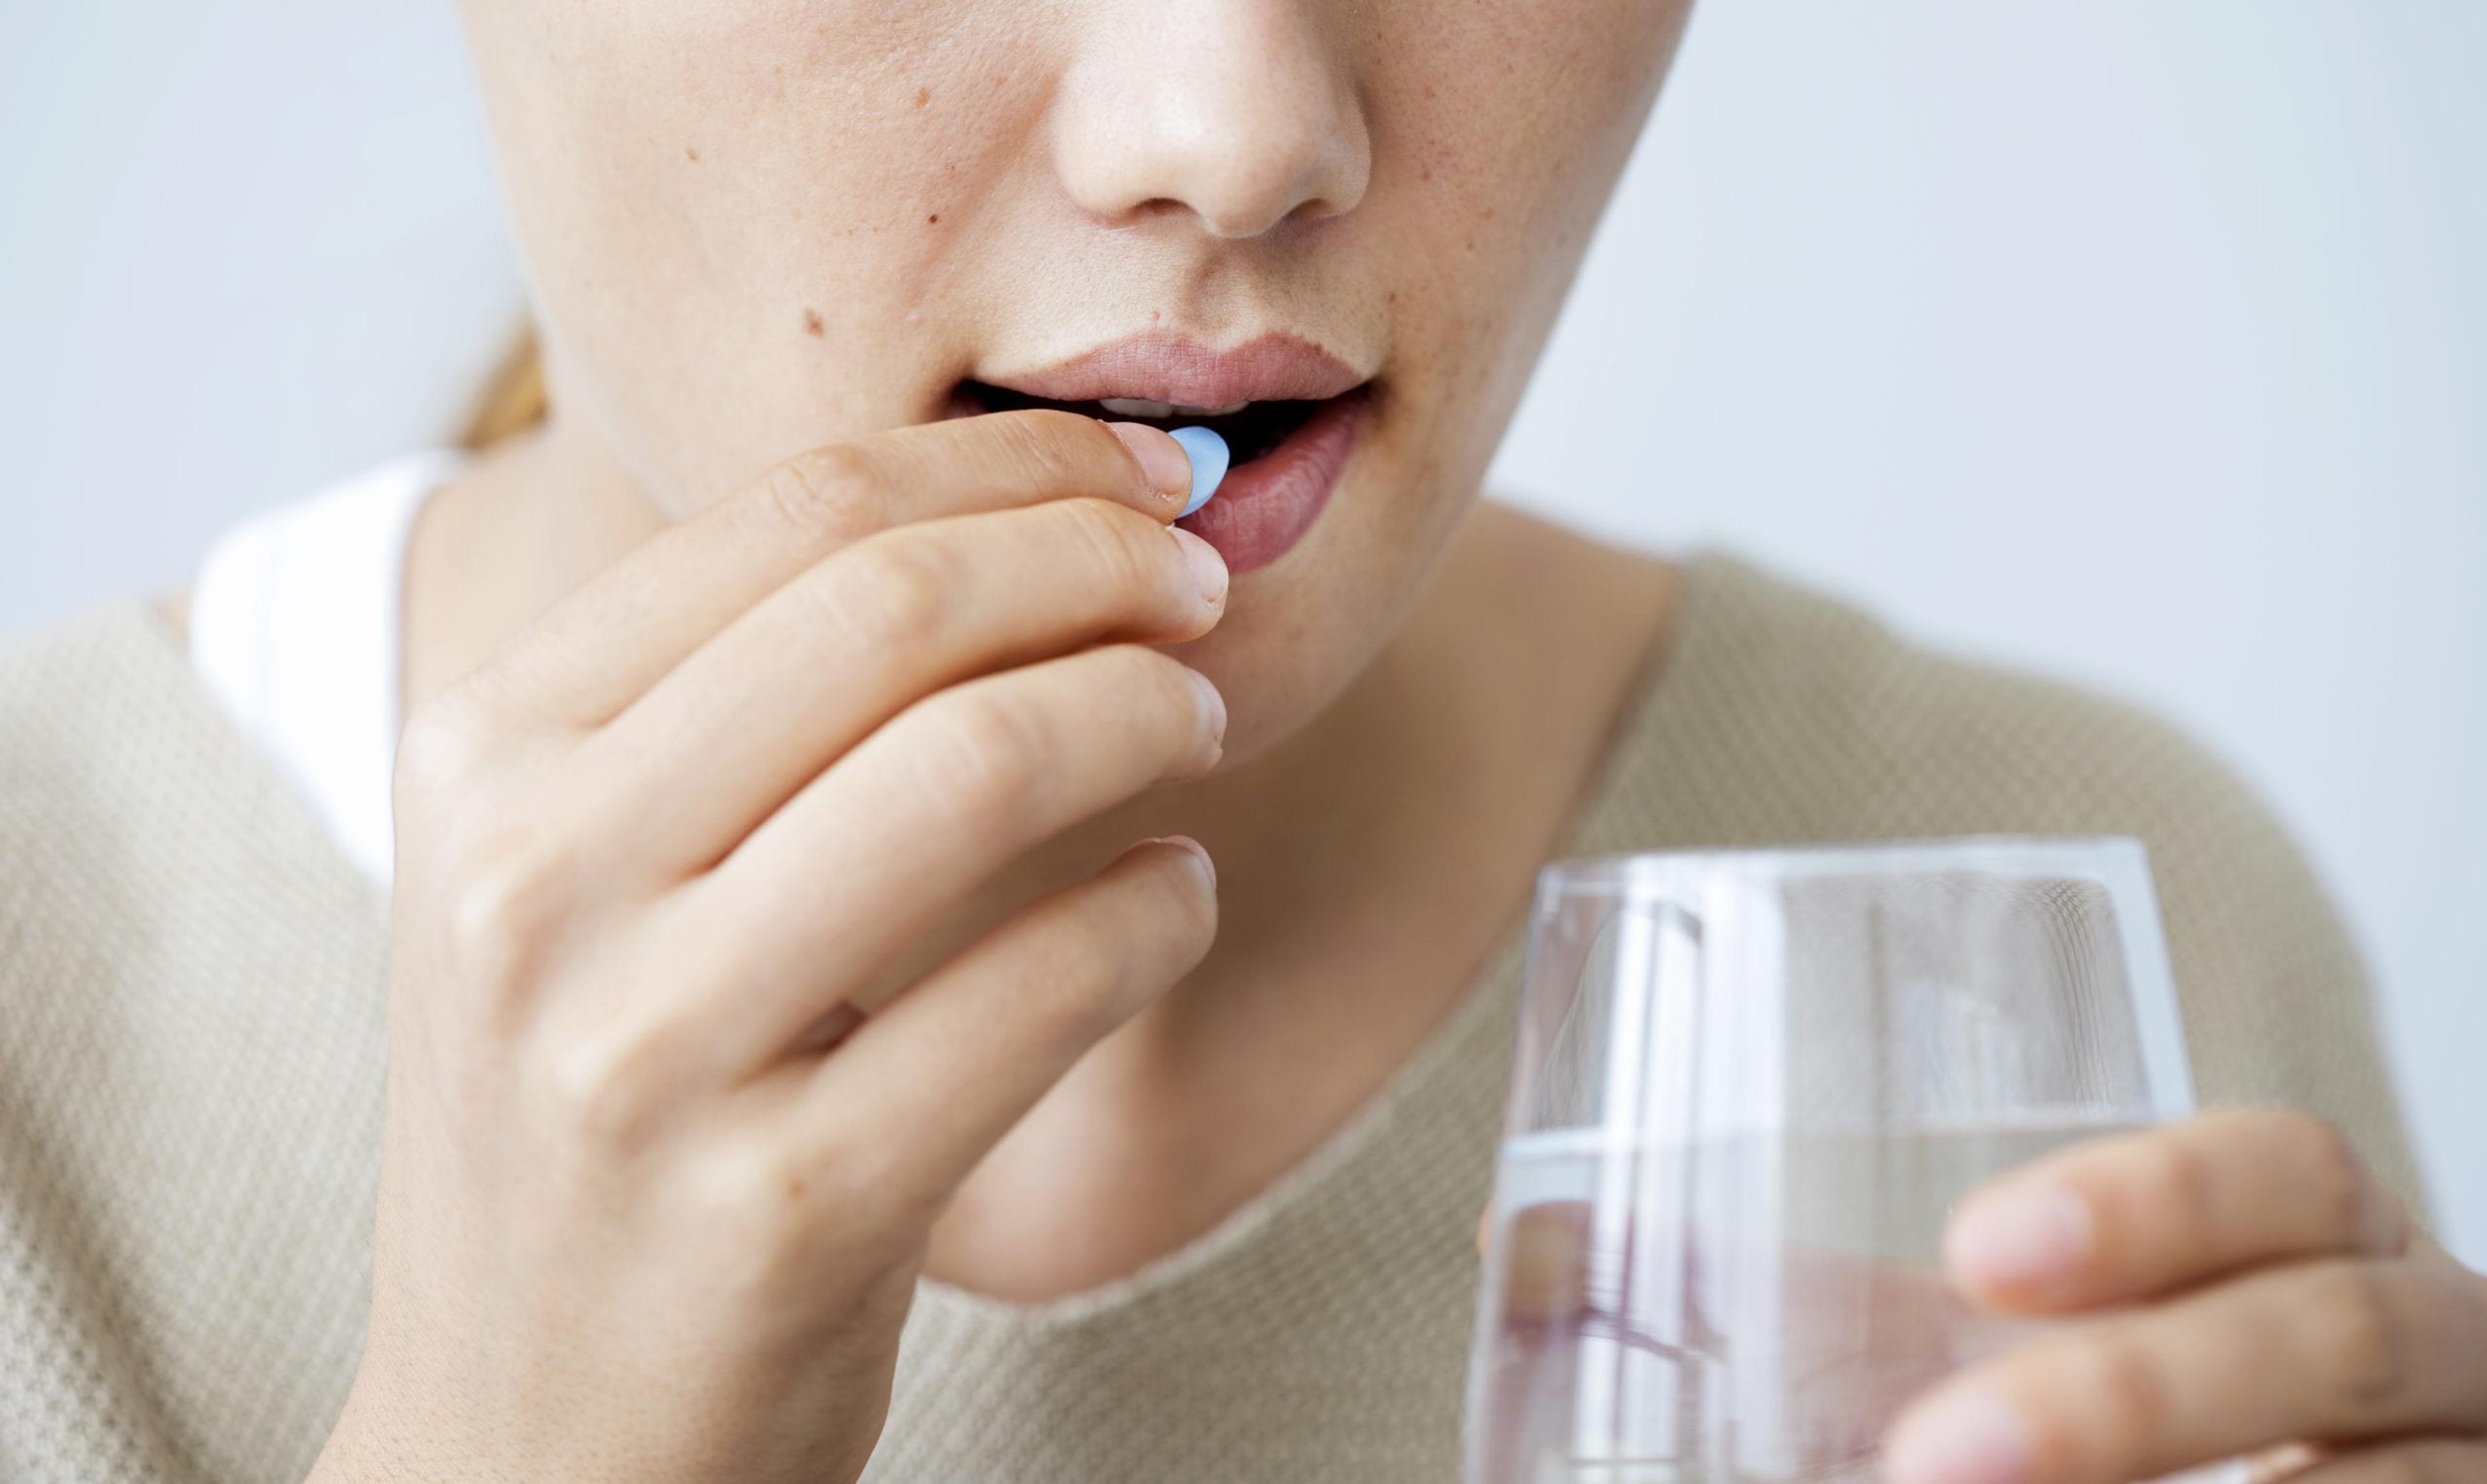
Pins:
x: 813, y: 325
x: 923, y: 95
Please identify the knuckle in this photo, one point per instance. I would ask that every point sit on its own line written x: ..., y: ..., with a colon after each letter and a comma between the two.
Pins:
x: 1186, y: 728
x: 873, y: 1187
x: 2359, y: 1335
x: 890, y: 591
x: 597, y: 1086
x: 2182, y: 1180
x: 2333, y: 1175
x: 442, y: 746
x: 1126, y: 552
x: 750, y: 1185
x: 503, y: 905
x: 1160, y: 679
x: 822, y: 493
x: 2135, y: 1390
x: 749, y: 1200
x: 771, y: 1209
x: 1075, y: 982
x: 1101, y: 963
x: 982, y: 760
x: 1043, y: 447
x: 1155, y: 695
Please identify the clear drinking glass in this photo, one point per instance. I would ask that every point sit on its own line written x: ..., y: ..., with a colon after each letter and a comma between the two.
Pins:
x: 1747, y: 1089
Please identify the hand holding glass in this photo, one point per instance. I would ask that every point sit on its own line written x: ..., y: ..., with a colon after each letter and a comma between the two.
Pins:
x: 1746, y: 1090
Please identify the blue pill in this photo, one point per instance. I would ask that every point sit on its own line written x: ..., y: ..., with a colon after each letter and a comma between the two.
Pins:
x: 1209, y: 459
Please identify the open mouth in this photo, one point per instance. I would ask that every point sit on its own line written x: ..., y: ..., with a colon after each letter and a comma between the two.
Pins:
x: 1293, y: 415
x: 1252, y: 430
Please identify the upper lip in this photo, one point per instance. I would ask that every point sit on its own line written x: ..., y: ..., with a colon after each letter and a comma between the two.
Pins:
x: 1168, y: 367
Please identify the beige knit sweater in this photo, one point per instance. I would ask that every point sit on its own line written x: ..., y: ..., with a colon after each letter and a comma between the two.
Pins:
x: 191, y: 989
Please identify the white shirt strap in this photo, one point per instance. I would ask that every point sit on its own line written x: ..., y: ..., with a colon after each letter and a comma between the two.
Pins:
x: 293, y: 628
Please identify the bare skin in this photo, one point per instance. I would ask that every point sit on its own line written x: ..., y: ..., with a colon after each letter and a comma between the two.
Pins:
x: 842, y: 839
x: 1336, y: 865
x: 2245, y: 1278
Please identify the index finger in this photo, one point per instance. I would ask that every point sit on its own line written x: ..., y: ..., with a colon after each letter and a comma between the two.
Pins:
x: 2138, y: 1214
x: 602, y: 646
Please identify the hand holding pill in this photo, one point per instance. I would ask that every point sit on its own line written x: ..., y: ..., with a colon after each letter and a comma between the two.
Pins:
x: 687, y: 819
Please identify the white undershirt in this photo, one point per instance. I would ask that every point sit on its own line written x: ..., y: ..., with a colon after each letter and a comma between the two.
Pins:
x: 293, y: 630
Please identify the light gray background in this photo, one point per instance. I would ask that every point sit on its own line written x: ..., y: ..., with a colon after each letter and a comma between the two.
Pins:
x: 2138, y: 341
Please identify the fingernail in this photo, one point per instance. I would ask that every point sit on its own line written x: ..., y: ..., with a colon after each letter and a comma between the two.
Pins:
x: 2020, y: 1240
x: 1200, y: 860
x: 1213, y: 706
x: 1162, y: 459
x: 1970, y: 1437
x: 1208, y: 567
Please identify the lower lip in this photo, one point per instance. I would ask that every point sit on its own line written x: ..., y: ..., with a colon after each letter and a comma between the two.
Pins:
x: 1265, y: 506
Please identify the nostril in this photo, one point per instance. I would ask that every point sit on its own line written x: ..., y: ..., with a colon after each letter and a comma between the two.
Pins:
x: 1241, y: 114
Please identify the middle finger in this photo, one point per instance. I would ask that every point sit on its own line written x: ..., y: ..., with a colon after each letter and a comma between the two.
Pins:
x: 869, y: 854
x: 807, y: 674
x: 2138, y: 1214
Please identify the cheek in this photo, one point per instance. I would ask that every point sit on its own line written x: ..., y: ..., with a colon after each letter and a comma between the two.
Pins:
x: 1499, y: 131
x: 1506, y: 123
x: 729, y: 213
x: 1523, y: 104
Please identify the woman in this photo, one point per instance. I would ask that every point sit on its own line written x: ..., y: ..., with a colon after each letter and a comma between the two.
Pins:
x: 766, y: 963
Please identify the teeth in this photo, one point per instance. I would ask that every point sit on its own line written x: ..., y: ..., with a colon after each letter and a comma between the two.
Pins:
x: 1141, y: 407
x: 1135, y: 407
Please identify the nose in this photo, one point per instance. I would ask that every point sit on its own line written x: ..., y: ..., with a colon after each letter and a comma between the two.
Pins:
x: 1242, y: 112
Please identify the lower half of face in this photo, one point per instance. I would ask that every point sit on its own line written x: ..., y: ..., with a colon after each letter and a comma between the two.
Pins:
x: 1335, y: 230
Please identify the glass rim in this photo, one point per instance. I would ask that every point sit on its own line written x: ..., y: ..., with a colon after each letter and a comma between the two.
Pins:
x: 1638, y: 880
x: 1630, y: 874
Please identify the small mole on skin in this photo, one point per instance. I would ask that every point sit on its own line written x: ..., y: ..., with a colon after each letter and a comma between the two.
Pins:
x: 813, y: 325
x: 934, y: 217
x: 923, y: 95
x: 691, y: 156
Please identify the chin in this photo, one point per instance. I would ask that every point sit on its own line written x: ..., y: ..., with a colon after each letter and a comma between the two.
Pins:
x: 1298, y: 631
